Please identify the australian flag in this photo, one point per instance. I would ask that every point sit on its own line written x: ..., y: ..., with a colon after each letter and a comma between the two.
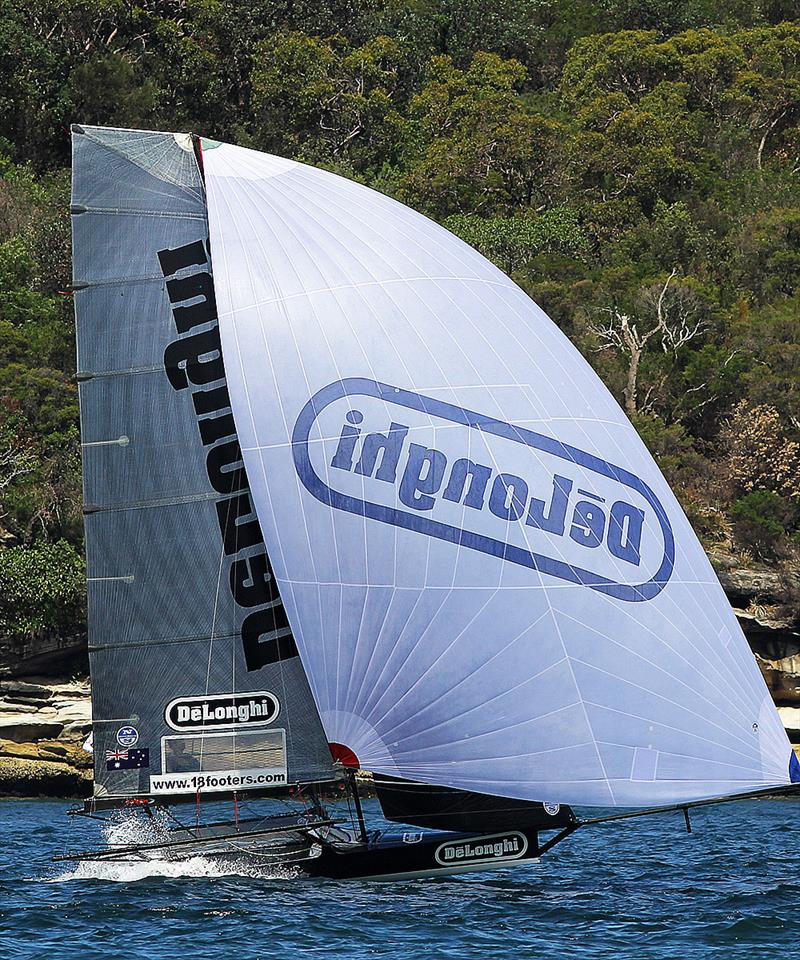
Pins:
x: 128, y: 759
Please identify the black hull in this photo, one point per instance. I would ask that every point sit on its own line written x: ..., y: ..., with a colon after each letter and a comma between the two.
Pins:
x: 415, y: 855
x: 318, y: 848
x: 445, y: 808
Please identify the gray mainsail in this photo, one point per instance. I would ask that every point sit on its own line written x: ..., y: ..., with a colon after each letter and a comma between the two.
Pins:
x: 196, y: 682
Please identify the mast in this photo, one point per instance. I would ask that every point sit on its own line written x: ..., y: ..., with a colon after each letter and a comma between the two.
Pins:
x: 196, y: 683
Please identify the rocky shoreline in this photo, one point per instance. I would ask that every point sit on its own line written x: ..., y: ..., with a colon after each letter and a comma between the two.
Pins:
x: 45, y: 721
x: 43, y: 726
x: 764, y: 600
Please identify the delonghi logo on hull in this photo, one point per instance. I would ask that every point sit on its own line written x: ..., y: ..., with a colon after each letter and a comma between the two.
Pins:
x: 557, y: 509
x: 224, y: 710
x: 491, y: 849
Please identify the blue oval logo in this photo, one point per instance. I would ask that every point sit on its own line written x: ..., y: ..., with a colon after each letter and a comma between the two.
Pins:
x: 127, y: 736
x: 456, y: 489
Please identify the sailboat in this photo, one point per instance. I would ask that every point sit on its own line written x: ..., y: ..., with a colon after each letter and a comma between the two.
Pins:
x: 353, y: 501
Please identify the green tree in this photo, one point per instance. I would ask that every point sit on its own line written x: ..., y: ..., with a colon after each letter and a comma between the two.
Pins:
x: 765, y: 93
x: 41, y: 589
x: 106, y: 91
x: 761, y: 521
x: 766, y: 259
x: 471, y: 146
x: 513, y: 241
x: 326, y: 101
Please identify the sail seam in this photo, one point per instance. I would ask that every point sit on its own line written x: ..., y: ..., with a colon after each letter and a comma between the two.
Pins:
x: 367, y: 283
x: 117, y: 281
x: 164, y: 502
x: 129, y: 372
x: 163, y: 641
x: 655, y: 666
x: 284, y: 631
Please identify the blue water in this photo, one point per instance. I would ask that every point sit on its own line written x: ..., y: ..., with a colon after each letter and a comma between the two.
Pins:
x: 640, y: 889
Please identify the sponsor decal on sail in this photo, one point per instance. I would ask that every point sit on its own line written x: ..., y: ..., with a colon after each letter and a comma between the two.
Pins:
x: 194, y: 360
x: 447, y: 472
x: 492, y: 849
x: 222, y: 710
x: 214, y: 762
x: 217, y: 782
x: 127, y: 736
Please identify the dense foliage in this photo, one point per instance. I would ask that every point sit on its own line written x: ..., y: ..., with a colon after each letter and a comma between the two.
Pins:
x: 635, y: 167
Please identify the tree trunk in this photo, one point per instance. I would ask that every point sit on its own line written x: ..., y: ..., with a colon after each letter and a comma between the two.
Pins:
x: 767, y: 132
x: 629, y: 393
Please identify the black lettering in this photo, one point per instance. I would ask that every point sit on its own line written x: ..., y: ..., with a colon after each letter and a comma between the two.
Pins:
x: 221, y: 467
x: 188, y: 288
x: 197, y: 359
x: 189, y: 255
x: 235, y: 535
x: 259, y: 652
x: 252, y: 581
x: 183, y: 363
x: 210, y: 401
x: 216, y: 428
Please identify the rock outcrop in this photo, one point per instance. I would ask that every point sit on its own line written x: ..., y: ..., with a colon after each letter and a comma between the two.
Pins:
x: 761, y: 597
x: 44, y: 722
x: 43, y: 725
x: 45, y: 654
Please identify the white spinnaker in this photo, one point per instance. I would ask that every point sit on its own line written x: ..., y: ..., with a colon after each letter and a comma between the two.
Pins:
x: 576, y: 664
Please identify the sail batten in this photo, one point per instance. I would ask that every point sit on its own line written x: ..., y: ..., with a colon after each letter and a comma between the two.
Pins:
x: 491, y: 586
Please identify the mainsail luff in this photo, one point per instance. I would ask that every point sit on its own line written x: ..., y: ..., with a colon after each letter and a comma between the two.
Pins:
x: 183, y: 612
x: 490, y: 583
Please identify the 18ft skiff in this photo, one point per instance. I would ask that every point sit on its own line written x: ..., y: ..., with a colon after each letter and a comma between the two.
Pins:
x: 353, y: 500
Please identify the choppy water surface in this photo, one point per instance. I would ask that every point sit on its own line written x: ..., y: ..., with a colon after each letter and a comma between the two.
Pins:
x: 640, y: 889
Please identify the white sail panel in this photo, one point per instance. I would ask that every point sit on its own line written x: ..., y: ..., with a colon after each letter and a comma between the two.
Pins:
x: 490, y: 583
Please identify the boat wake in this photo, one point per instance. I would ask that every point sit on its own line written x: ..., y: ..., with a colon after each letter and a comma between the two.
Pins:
x: 129, y: 871
x: 125, y: 830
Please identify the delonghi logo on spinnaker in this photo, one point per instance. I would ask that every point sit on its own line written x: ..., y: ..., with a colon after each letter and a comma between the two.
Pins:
x: 447, y: 472
x: 222, y: 710
x: 491, y: 849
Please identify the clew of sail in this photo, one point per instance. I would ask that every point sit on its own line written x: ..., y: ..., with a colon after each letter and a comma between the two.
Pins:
x: 490, y: 583
x: 196, y: 686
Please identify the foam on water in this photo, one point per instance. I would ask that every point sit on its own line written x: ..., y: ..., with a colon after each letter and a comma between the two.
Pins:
x: 637, y: 890
x: 126, y: 829
x: 127, y: 871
